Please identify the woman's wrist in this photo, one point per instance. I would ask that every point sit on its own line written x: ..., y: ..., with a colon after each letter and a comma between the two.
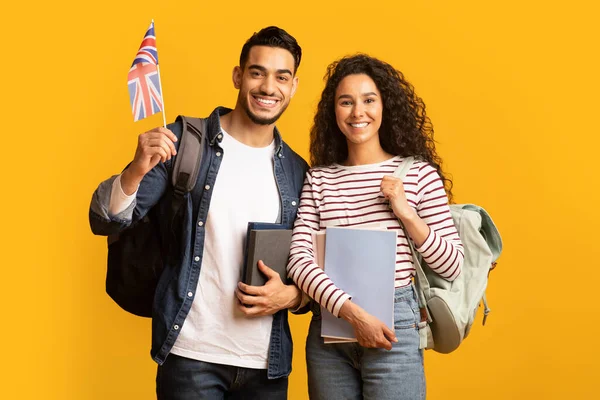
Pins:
x: 350, y: 311
x: 407, y: 214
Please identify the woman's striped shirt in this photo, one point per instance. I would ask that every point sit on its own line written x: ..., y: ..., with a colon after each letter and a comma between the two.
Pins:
x: 351, y: 196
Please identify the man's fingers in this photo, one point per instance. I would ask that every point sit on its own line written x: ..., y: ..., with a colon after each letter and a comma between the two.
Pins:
x: 168, y: 137
x: 266, y: 270
x: 248, y: 311
x: 168, y: 133
x: 160, y: 133
x: 155, y: 144
x: 251, y: 306
x: 251, y: 290
x: 246, y: 299
x: 155, y: 160
x: 153, y: 151
x: 162, y: 142
x: 255, y: 311
x: 170, y: 144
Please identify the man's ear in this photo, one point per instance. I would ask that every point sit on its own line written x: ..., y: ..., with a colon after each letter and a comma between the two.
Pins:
x: 237, y: 77
x: 294, y: 85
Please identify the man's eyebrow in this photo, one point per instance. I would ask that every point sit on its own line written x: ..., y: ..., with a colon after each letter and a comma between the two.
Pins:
x: 258, y: 67
x: 263, y: 69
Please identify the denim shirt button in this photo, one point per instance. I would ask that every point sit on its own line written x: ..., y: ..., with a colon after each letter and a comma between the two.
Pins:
x: 294, y: 203
x: 190, y: 294
x: 218, y: 154
x: 196, y: 258
x: 207, y: 187
x: 200, y: 223
x: 176, y: 327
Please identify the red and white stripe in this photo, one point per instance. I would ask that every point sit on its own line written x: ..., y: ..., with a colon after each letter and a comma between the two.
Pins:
x: 351, y: 196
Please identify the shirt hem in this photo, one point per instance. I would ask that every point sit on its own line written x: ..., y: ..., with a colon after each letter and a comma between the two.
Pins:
x: 215, y: 359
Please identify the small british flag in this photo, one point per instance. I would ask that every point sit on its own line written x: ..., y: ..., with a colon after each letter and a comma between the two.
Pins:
x: 143, y: 80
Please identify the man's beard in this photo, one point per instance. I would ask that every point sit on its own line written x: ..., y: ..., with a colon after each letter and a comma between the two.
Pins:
x: 262, y: 121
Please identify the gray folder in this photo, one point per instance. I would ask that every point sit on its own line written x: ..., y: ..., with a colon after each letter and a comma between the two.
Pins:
x: 361, y: 262
x: 272, y: 246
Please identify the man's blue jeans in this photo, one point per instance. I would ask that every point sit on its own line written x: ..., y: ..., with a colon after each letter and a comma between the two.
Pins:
x: 347, y: 371
x: 182, y: 378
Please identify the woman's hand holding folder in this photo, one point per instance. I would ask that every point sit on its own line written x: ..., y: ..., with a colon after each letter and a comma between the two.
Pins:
x: 369, y: 330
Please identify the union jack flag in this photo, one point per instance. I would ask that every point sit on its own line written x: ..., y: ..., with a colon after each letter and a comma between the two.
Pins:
x: 143, y: 80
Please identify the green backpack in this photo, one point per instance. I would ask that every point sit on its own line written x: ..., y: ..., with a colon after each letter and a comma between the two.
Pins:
x: 450, y: 307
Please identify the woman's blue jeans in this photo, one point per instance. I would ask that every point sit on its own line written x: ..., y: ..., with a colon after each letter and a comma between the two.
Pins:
x: 348, y: 371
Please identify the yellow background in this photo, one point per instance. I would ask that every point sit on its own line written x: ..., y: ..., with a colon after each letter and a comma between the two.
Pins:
x: 511, y: 87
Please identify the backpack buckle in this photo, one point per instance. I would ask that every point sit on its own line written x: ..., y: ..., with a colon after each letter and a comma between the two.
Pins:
x: 486, y: 309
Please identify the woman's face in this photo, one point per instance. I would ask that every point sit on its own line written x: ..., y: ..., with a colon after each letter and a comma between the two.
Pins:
x: 358, y: 109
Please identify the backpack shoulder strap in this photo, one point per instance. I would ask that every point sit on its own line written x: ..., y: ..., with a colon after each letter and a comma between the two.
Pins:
x: 186, y: 169
x: 422, y: 282
x: 189, y: 155
x: 403, y: 168
x: 423, y: 287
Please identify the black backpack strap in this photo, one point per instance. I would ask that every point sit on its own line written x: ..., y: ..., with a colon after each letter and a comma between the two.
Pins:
x: 189, y: 155
x: 188, y: 160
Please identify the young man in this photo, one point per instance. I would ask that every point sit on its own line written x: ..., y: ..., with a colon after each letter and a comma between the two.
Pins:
x: 207, y: 344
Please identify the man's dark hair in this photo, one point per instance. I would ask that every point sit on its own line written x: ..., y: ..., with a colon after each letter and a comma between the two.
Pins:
x: 272, y: 36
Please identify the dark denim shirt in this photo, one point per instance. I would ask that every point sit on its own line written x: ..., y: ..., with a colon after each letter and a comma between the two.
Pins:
x: 180, y: 277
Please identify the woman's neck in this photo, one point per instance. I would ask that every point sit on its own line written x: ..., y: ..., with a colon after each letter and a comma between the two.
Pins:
x: 362, y: 154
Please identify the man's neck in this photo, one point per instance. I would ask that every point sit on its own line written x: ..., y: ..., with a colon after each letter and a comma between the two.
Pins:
x: 238, y: 125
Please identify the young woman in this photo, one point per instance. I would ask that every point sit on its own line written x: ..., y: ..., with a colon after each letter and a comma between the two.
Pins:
x: 368, y: 120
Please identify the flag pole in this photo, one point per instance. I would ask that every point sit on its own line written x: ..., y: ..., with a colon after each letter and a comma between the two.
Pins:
x: 163, y: 97
x: 161, y: 86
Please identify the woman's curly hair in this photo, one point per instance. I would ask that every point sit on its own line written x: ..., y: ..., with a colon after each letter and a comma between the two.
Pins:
x: 405, y: 128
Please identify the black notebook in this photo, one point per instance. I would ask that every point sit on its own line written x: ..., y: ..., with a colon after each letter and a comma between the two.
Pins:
x: 269, y: 243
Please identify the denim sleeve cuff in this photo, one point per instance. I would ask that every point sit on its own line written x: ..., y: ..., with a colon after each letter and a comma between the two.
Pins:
x: 101, y: 202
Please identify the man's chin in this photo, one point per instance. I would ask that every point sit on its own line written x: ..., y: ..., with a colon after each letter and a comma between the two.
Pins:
x: 263, y: 120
